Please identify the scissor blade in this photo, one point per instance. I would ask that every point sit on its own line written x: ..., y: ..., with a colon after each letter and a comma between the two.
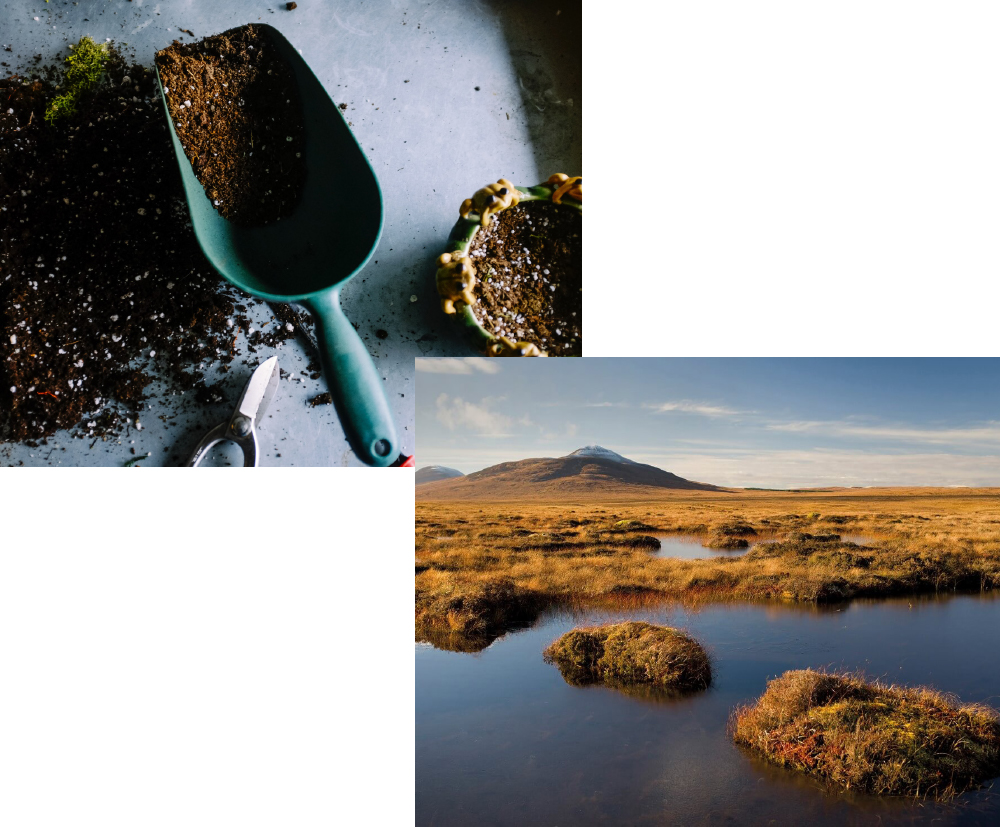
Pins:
x: 259, y: 390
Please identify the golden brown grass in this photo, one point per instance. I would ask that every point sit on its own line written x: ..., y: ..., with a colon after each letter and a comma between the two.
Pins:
x: 482, y: 565
x: 871, y: 737
x: 623, y: 654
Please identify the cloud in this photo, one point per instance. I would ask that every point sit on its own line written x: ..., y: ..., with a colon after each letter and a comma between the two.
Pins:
x: 931, y: 436
x: 817, y: 468
x: 458, y: 366
x: 687, y: 406
x: 569, y: 431
x: 482, y: 419
x: 605, y: 405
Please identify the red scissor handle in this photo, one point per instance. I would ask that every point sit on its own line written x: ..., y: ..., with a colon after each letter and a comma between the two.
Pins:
x: 404, y: 462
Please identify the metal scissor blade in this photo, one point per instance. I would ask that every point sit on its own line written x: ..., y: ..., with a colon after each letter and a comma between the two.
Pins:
x: 259, y: 390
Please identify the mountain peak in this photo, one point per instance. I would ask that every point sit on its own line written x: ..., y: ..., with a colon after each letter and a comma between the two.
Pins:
x: 600, y: 453
x: 588, y: 471
x: 433, y: 473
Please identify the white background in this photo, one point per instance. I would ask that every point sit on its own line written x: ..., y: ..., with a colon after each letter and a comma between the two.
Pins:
x: 792, y: 178
x: 236, y: 648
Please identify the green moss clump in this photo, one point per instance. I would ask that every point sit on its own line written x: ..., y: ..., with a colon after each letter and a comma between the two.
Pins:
x: 869, y: 737
x: 86, y: 65
x: 623, y: 654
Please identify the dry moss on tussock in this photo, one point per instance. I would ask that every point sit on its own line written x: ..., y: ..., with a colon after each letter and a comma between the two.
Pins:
x: 725, y: 542
x: 630, y: 525
x: 869, y: 737
x: 630, y: 653
x: 479, y: 610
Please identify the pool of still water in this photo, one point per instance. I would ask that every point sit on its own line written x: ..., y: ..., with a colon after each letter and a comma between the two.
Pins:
x: 689, y: 546
x: 501, y: 739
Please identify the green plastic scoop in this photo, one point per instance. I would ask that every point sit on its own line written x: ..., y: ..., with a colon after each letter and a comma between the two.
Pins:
x: 307, y: 257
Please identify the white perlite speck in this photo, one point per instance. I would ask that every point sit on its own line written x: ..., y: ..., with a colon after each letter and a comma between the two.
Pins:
x: 288, y: 327
x: 413, y: 298
x: 13, y: 339
x: 152, y: 353
x: 139, y: 425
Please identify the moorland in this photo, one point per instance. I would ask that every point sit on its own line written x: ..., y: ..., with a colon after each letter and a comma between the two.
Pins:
x: 483, y: 566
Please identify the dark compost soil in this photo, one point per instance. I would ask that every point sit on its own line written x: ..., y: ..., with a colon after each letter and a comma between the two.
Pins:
x: 236, y: 110
x: 528, y: 265
x: 100, y: 272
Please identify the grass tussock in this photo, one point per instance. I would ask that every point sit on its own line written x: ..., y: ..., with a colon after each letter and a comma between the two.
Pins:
x: 481, y: 566
x: 869, y: 737
x: 725, y: 542
x: 466, y: 615
x: 623, y: 654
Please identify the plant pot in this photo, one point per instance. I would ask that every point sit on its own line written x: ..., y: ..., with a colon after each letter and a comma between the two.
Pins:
x: 462, y: 277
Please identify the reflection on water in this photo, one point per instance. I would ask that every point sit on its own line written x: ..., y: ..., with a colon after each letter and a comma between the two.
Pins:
x: 502, y: 739
x: 689, y: 547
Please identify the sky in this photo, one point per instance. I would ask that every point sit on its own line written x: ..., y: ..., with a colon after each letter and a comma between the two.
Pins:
x: 767, y: 423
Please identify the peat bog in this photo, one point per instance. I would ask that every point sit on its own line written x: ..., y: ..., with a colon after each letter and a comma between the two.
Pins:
x: 481, y: 566
x: 487, y: 568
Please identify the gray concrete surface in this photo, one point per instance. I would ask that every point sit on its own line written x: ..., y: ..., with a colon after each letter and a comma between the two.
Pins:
x: 409, y: 72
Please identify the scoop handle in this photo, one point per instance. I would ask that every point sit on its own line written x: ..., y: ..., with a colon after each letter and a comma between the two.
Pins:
x: 353, y: 382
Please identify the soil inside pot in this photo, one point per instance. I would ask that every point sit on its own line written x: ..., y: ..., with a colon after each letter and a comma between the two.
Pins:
x: 528, y: 266
x: 100, y: 272
x: 236, y: 111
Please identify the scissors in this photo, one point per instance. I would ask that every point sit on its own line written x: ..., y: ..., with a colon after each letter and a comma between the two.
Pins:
x: 241, y: 427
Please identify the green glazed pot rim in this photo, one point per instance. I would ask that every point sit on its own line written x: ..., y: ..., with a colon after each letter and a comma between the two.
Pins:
x: 460, y: 239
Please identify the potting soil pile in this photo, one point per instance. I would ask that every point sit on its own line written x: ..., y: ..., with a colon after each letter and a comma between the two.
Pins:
x: 100, y: 272
x: 236, y: 111
x: 528, y: 265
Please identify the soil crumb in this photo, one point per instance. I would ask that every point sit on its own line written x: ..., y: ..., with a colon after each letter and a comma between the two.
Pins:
x: 528, y: 265
x: 236, y: 110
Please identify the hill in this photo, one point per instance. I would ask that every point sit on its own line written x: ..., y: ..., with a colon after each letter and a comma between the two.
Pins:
x: 589, y: 470
x: 433, y: 473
